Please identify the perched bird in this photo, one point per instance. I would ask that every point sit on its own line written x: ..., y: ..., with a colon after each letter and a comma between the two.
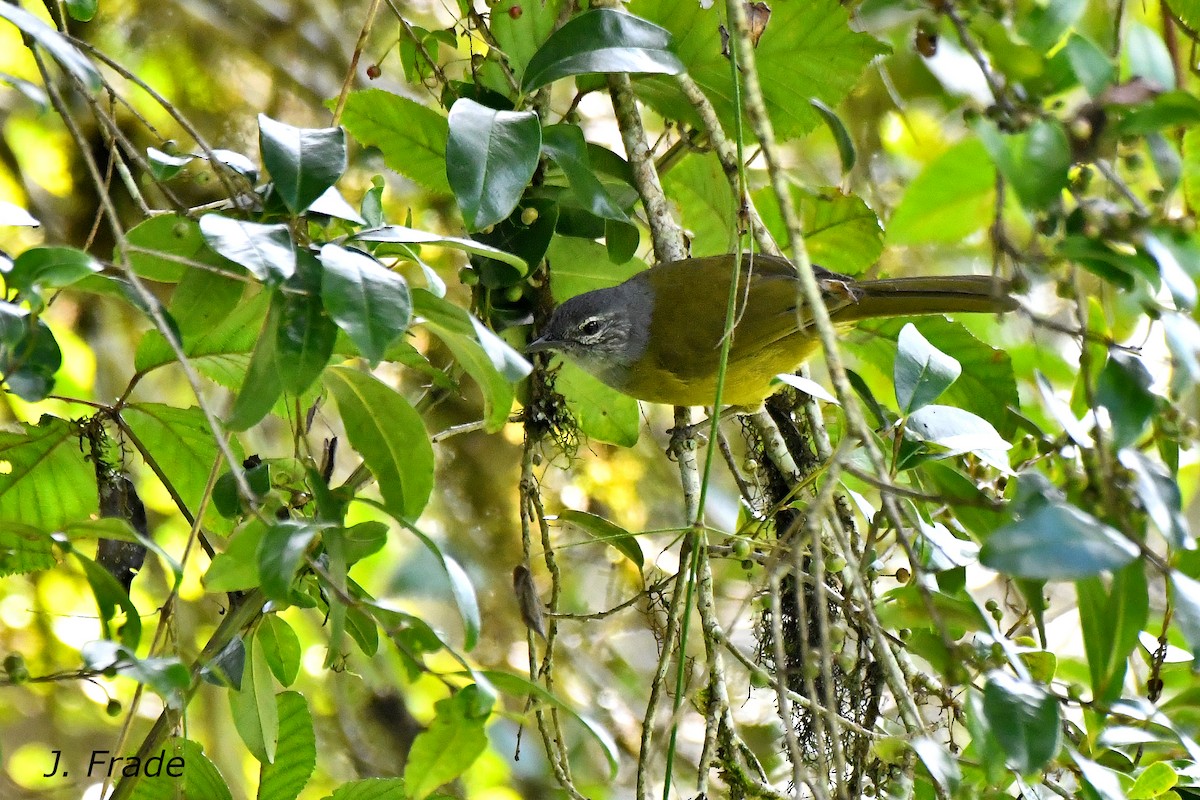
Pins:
x: 657, y: 336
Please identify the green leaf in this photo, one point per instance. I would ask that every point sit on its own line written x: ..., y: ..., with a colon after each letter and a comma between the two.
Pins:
x: 491, y: 362
x: 30, y: 366
x: 603, y: 413
x: 55, y: 43
x: 951, y: 198
x: 1148, y: 57
x: 942, y: 767
x: 164, y: 166
x: 922, y: 372
x: 266, y: 250
x: 109, y: 596
x: 1185, y: 600
x: 565, y: 145
x: 706, y: 204
x: 305, y: 335
x: 519, y: 687
x: 840, y: 232
x: 1156, y: 779
x: 370, y: 789
x: 202, y: 301
x: 166, y: 677
x: 1043, y: 25
x: 521, y: 35
x: 1057, y: 542
x: 388, y: 433
x: 602, y: 40
x: 366, y: 299
x: 201, y: 778
x: 841, y: 136
x: 44, y: 479
x: 1091, y: 65
x: 222, y: 351
x: 1035, y: 162
x: 402, y: 235
x: 226, y: 668
x: 1123, y: 388
x: 281, y: 647
x: 1024, y: 719
x: 1170, y: 254
x: 82, y: 10
x: 182, y: 442
x: 296, y: 758
x: 1111, y: 615
x: 490, y: 158
x: 444, y: 751
x: 24, y: 549
x: 809, y: 50
x: 263, y: 382
x: 303, y: 162
x: 579, y: 266
x: 255, y: 714
x: 1159, y: 494
x: 411, y: 137
x: 236, y: 569
x: 958, y: 431
x: 604, y: 531
x: 41, y: 268
x: 281, y: 554
x: 1102, y: 780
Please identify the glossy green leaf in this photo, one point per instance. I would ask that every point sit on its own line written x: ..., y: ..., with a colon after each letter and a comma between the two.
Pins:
x: 166, y: 677
x: 490, y: 158
x: 1156, y: 780
x: 366, y: 299
x: 303, y: 162
x: 1149, y: 57
x: 1057, y: 542
x: 177, y: 239
x: 922, y: 372
x: 29, y: 367
x: 263, y: 383
x: 1185, y: 600
x: 41, y: 268
x: 565, y: 145
x: 390, y: 436
x: 1159, y: 493
x: 1043, y: 25
x: 1024, y: 719
x: 266, y: 250
x: 1111, y: 615
x: 55, y: 43
x: 958, y: 431
x: 164, y: 166
x: 604, y: 531
x: 1092, y: 66
x: 24, y: 549
x: 226, y: 668
x: 236, y: 569
x: 942, y: 767
x: 305, y: 336
x: 402, y: 235
x: 281, y: 554
x: 255, y: 713
x: 296, y: 758
x: 602, y: 40
x: 520, y: 35
x: 1035, y: 162
x: 841, y: 136
x: 492, y: 363
x: 1123, y: 388
x: 951, y: 198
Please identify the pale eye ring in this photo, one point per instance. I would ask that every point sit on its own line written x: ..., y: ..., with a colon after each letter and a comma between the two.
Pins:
x: 590, y: 328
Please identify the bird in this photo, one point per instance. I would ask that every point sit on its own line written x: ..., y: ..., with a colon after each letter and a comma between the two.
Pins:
x: 657, y: 336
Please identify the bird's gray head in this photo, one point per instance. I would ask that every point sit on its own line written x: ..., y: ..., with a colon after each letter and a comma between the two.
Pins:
x: 603, y: 331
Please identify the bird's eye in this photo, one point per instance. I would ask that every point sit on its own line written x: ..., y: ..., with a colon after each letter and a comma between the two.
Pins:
x: 590, y: 327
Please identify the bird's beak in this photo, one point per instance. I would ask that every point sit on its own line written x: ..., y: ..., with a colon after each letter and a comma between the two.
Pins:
x: 541, y: 345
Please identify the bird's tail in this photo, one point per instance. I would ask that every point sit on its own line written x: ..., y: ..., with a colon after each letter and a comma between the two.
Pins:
x: 899, y: 297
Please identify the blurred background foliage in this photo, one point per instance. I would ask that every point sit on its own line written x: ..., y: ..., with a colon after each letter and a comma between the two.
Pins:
x: 1068, y: 162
